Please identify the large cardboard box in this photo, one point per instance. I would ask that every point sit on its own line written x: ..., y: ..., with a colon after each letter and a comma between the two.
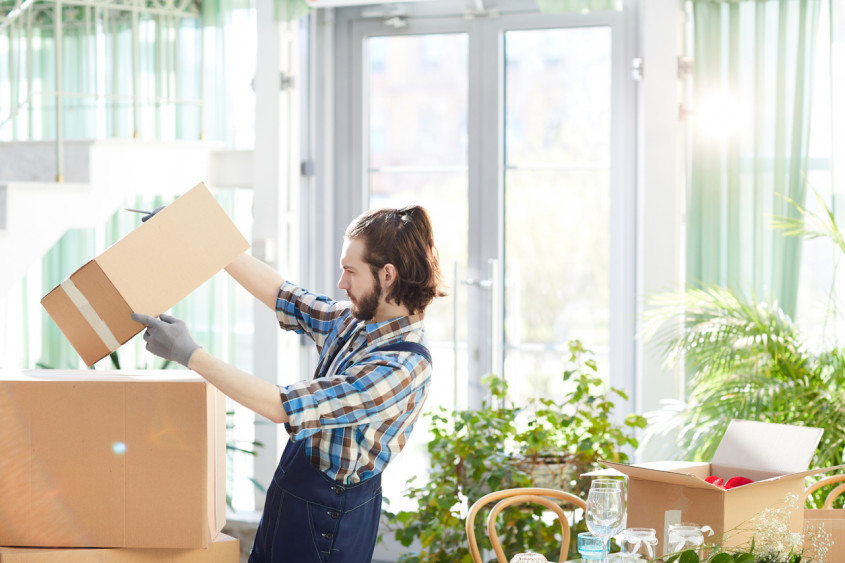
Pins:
x: 224, y: 549
x: 832, y: 521
x: 108, y: 459
x: 775, y: 456
x: 147, y: 271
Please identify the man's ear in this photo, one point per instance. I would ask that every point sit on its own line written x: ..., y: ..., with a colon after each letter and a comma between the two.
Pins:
x: 388, y: 275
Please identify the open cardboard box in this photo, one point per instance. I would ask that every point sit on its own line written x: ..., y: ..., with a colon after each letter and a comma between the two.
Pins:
x: 147, y: 271
x: 224, y: 549
x: 775, y: 456
x: 111, y: 459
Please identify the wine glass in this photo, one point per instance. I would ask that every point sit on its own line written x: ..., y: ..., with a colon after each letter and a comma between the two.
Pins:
x: 605, y: 511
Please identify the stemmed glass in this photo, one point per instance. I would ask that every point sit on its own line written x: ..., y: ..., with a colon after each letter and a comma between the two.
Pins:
x: 605, y: 511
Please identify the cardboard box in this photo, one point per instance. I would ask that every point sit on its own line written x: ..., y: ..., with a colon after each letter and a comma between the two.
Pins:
x: 224, y: 549
x: 832, y: 520
x: 108, y: 459
x: 148, y: 271
x: 775, y: 456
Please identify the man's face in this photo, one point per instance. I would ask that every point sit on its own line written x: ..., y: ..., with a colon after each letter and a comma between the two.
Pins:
x: 357, y: 280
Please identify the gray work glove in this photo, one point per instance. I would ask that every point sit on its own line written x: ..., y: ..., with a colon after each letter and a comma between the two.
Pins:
x: 149, y: 216
x: 168, y: 337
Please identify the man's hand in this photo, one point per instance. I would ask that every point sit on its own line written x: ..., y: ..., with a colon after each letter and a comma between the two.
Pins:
x: 167, y: 337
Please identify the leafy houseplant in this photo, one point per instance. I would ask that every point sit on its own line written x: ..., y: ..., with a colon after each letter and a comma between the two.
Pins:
x: 749, y: 360
x: 500, y: 446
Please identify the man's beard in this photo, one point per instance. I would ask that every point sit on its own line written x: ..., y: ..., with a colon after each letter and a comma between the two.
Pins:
x: 366, y: 307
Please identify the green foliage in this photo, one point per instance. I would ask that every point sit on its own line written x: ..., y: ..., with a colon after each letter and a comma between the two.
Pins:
x: 740, y: 556
x: 500, y: 446
x: 747, y: 360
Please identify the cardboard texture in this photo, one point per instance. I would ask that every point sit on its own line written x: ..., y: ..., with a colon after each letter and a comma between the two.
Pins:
x: 101, y: 459
x: 148, y: 271
x: 776, y: 456
x: 224, y: 549
x: 832, y: 520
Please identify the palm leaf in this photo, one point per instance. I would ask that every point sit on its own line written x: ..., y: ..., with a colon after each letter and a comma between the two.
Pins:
x: 811, y: 225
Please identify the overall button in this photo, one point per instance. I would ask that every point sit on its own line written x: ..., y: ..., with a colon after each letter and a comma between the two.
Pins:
x: 335, y: 515
x: 338, y: 490
x: 329, y: 535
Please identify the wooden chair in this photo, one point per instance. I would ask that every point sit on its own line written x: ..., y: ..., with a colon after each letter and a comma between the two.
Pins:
x: 510, y: 497
x: 838, y: 490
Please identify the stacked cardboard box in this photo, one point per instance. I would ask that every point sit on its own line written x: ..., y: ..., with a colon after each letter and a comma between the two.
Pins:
x: 134, y: 461
x: 224, y: 549
x: 121, y: 467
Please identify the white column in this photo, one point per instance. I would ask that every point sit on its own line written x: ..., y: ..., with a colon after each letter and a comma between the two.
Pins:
x: 276, y: 209
x: 660, y: 234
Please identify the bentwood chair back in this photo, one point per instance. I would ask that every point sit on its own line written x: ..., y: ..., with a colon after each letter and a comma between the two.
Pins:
x: 509, y: 497
x: 831, y: 496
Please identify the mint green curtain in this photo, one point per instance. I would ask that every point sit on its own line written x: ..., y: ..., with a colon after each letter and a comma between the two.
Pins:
x: 760, y: 53
x: 283, y: 10
x: 566, y: 6
x: 97, y: 77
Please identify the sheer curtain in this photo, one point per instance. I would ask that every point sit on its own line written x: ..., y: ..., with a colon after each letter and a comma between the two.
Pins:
x: 753, y: 99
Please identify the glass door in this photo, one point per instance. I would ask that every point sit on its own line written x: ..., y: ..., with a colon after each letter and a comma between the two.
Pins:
x: 557, y: 194
x: 515, y: 132
x: 415, y: 96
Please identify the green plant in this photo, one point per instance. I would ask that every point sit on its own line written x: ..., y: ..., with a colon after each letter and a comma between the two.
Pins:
x: 501, y: 445
x: 749, y: 360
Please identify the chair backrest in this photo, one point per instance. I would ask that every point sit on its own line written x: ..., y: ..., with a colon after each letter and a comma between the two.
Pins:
x: 508, y: 497
x: 838, y: 490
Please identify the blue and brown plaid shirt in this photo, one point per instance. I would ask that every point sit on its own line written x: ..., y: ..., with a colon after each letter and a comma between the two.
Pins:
x: 357, y: 417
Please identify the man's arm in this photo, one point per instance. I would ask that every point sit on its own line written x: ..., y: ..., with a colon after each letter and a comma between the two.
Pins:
x: 169, y: 338
x: 257, y: 277
x: 250, y: 391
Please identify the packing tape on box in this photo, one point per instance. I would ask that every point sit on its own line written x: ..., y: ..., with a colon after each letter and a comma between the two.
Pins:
x: 87, y: 311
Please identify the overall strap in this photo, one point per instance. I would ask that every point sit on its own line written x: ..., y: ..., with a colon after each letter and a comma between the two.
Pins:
x: 402, y: 346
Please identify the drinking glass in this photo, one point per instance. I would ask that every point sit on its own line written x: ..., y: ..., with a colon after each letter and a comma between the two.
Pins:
x: 637, y: 543
x: 605, y: 512
x: 590, y: 547
x: 686, y: 535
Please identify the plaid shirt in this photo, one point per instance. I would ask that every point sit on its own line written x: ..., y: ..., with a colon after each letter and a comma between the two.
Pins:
x: 358, y: 416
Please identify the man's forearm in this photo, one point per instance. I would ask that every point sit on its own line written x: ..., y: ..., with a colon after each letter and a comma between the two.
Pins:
x: 246, y: 389
x: 256, y: 277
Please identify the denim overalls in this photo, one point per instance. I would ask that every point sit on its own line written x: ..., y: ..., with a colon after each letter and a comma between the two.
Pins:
x: 310, y: 518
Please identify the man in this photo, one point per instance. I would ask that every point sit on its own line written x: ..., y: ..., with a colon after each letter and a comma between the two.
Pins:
x: 352, y: 419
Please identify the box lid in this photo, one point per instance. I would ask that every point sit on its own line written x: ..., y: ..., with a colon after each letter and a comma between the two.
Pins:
x: 765, y: 449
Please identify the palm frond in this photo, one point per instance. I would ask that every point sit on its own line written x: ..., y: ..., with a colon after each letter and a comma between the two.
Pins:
x: 715, y: 329
x: 810, y: 225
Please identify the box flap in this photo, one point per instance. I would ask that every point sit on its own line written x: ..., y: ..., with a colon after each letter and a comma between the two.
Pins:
x: 669, y: 472
x: 766, y: 448
x: 173, y: 253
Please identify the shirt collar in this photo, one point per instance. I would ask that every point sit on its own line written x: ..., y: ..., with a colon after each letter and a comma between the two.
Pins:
x: 392, y: 328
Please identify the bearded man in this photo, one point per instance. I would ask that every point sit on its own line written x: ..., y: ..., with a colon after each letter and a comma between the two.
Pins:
x: 349, y: 422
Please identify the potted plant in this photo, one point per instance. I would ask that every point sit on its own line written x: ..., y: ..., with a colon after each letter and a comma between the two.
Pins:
x: 748, y: 360
x: 500, y: 446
